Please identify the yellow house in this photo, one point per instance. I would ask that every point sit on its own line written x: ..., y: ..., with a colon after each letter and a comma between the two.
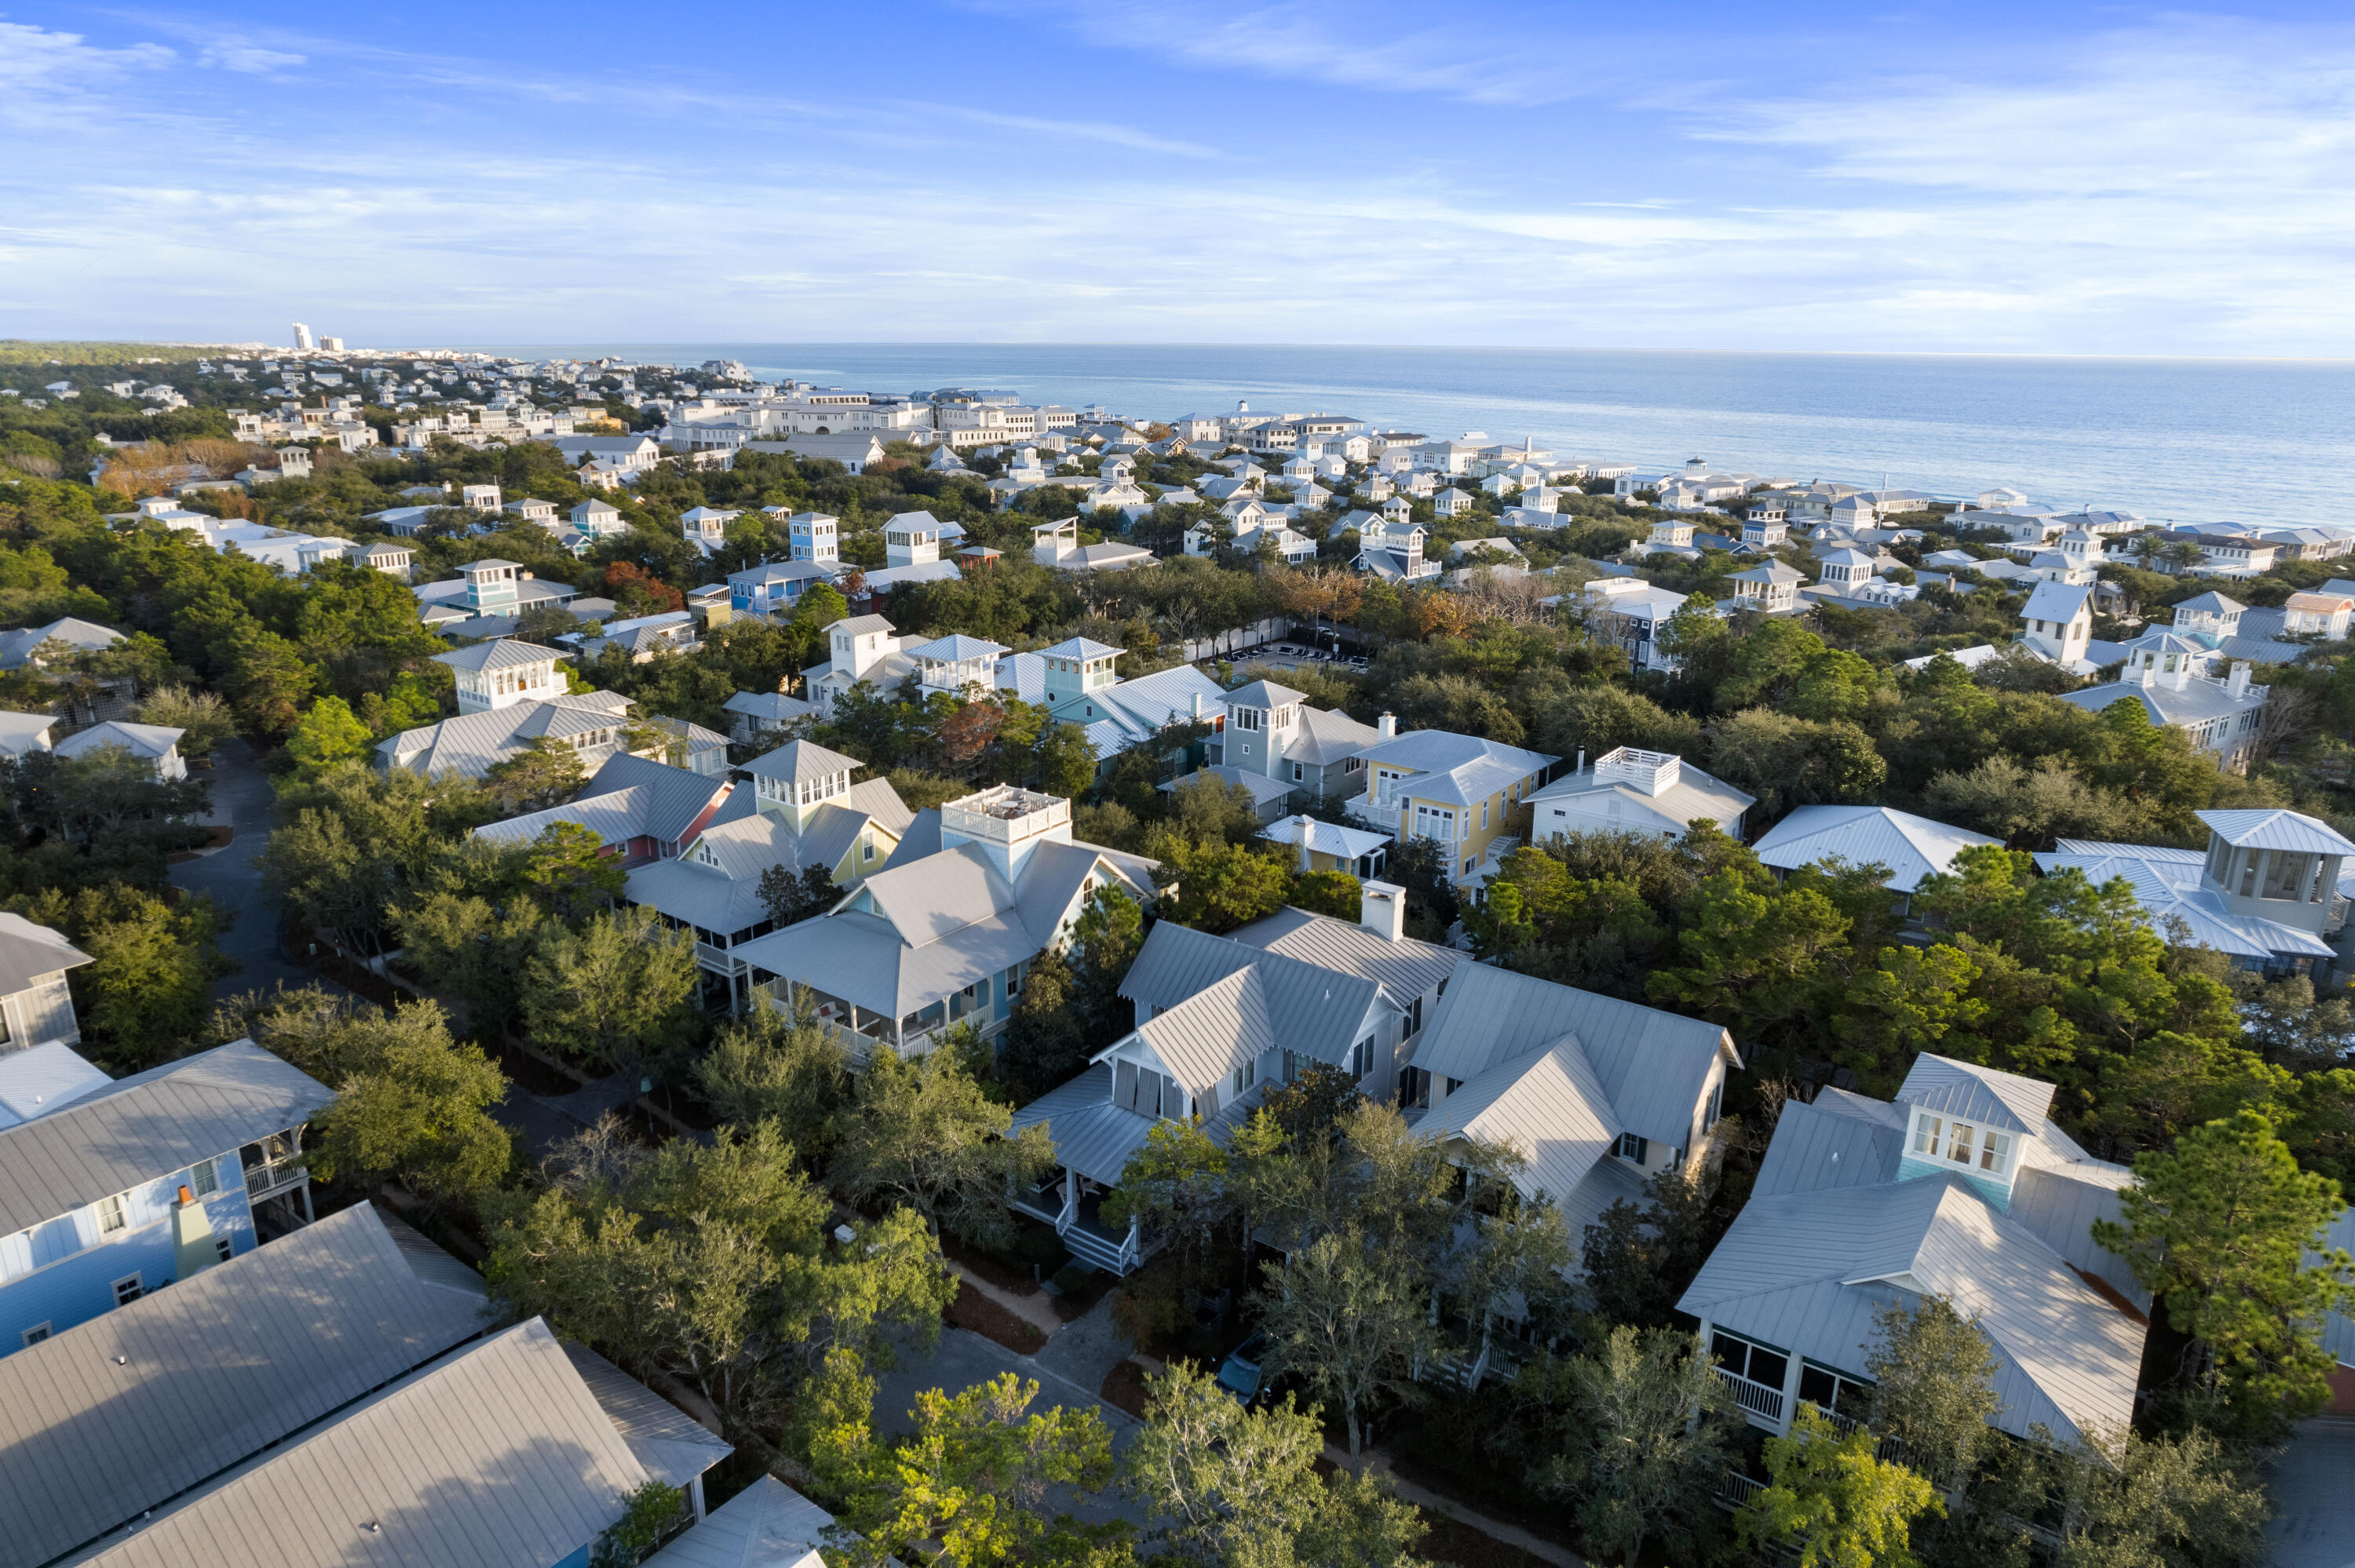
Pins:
x: 1457, y: 791
x: 802, y: 812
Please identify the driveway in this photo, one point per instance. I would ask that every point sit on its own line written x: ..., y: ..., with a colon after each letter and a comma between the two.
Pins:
x: 242, y: 800
x: 965, y: 1358
x: 2314, y: 1509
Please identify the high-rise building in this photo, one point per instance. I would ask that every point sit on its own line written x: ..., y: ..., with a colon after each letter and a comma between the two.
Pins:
x: 302, y: 336
x: 332, y: 344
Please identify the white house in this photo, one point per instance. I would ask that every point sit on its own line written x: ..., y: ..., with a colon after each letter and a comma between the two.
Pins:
x: 1628, y: 790
x: 155, y: 745
x: 1909, y: 847
x: 2058, y: 620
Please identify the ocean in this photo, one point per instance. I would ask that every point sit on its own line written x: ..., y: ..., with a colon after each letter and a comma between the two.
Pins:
x: 2256, y: 442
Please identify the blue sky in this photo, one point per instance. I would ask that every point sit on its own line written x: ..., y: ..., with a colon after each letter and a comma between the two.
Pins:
x: 1994, y: 178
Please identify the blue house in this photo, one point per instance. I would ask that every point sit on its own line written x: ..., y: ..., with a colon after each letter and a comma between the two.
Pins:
x: 779, y: 586
x: 112, y: 1189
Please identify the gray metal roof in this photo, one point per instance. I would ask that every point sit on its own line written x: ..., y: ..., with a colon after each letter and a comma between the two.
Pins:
x: 801, y: 761
x: 1976, y: 1094
x: 1912, y: 847
x: 1461, y: 769
x: 766, y: 1525
x: 1091, y: 1135
x: 672, y: 1445
x: 1545, y: 1106
x: 28, y: 951
x: 2276, y: 830
x: 1264, y: 695
x: 146, y: 1126
x: 497, y: 1456
x: 499, y: 655
x: 471, y: 743
x: 1202, y: 1040
x: 1653, y: 1065
x: 1819, y: 1147
x: 676, y: 796
x: 2065, y: 1357
x: 215, y: 1369
x: 2060, y: 1202
x: 1311, y: 1008
x: 1405, y: 968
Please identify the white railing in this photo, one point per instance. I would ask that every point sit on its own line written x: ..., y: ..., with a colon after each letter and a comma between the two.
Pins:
x: 1738, y: 1488
x: 273, y: 1177
x: 1754, y: 1397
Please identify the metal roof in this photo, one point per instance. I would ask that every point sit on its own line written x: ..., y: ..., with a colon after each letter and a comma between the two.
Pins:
x: 676, y: 797
x: 1461, y: 769
x: 215, y: 1369
x: 2066, y: 1357
x: 802, y: 761
x: 139, y: 739
x: 1202, y: 1040
x: 502, y: 654
x: 1578, y: 798
x: 672, y: 1445
x: 774, y: 706
x: 1912, y: 847
x: 2056, y: 601
x: 1406, y: 968
x: 1264, y: 695
x: 1311, y: 1008
x: 1817, y: 1148
x: 1653, y: 1066
x: 1976, y: 1094
x: 1546, y: 1105
x: 1078, y: 648
x: 2167, y: 885
x: 1324, y: 837
x: 1091, y: 1135
x: 471, y: 743
x: 149, y: 1124
x: 28, y: 951
x: 766, y: 1525
x: 955, y: 648
x: 2276, y: 830
x: 497, y: 1456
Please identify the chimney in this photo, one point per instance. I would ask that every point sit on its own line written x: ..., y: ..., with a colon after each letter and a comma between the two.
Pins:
x: 1582, y: 761
x: 2239, y: 684
x: 193, y: 1249
x: 1381, y: 909
x: 1305, y: 821
x: 1386, y: 727
x: 1198, y: 704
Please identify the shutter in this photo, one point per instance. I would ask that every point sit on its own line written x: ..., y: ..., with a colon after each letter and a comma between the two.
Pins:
x: 1123, y: 1087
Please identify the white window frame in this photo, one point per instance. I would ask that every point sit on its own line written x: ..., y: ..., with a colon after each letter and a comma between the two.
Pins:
x: 133, y: 1283
x: 221, y: 1245
x: 113, y: 1214
x: 204, y: 1177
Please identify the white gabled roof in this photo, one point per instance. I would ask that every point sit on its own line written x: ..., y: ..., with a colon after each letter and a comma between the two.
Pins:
x: 1912, y: 847
x: 1547, y: 1106
x: 503, y: 654
x: 2056, y: 601
x: 2276, y: 830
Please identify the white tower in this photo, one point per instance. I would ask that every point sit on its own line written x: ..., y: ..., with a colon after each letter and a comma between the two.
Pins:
x: 302, y: 336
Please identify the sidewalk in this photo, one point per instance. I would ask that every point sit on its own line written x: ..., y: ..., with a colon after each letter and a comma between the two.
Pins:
x: 1424, y: 1498
x: 1036, y: 1310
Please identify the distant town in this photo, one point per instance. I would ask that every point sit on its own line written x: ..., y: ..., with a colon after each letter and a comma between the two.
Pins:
x: 650, y: 955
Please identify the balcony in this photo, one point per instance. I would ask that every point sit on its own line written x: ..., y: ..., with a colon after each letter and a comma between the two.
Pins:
x: 1761, y: 1403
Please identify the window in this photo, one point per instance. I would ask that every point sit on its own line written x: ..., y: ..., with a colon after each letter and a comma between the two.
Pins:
x: 1994, y: 1153
x: 1634, y: 1147
x: 2286, y: 875
x: 1836, y: 1392
x: 221, y: 1246
x: 1759, y: 1364
x: 1354, y: 765
x: 1925, y: 1135
x: 1484, y: 816
x: 1248, y: 718
x: 111, y: 1217
x: 867, y: 850
x: 1958, y: 1142
x: 1246, y: 1075
x: 1298, y: 773
x: 1361, y: 1058
x: 127, y: 1289
x: 204, y: 1177
x: 36, y: 1334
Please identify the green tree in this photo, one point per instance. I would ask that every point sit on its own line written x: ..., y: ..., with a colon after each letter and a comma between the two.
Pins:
x: 654, y: 1508
x: 2218, y: 1230
x: 328, y: 733
x: 1223, y: 1483
x: 616, y: 993
x: 1218, y: 885
x: 1934, y: 1388
x: 1046, y: 1036
x: 1647, y: 1450
x: 1066, y: 760
x: 1105, y: 939
x: 420, y: 1112
x: 540, y: 775
x: 473, y: 951
x: 1334, y: 893
x: 780, y: 1065
x: 569, y: 869
x: 1344, y: 1316
x: 919, y: 1131
x: 1832, y: 1502
x: 2155, y: 1502
x: 1177, y: 1185
x: 965, y: 1488
x: 712, y: 1263
x: 200, y: 716
x: 790, y: 899
x: 1639, y: 1261
x: 146, y: 993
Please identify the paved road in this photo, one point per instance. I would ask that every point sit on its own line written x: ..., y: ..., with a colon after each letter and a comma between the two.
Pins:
x: 243, y: 799
x: 2314, y: 1508
x: 965, y: 1358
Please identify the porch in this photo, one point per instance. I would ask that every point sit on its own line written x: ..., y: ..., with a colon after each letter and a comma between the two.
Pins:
x: 1074, y: 1205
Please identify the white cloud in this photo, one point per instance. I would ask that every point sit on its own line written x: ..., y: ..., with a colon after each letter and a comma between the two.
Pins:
x: 248, y: 59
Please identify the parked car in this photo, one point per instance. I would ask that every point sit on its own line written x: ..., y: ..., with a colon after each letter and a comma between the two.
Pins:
x: 1240, y: 1373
